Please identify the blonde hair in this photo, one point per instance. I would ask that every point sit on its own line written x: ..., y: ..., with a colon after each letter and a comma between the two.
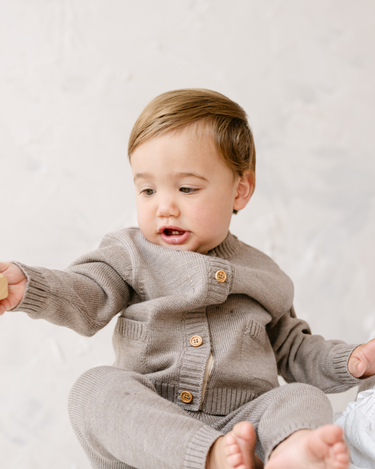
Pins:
x: 223, y: 117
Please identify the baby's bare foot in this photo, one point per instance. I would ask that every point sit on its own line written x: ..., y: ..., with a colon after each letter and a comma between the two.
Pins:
x: 323, y: 448
x: 235, y: 450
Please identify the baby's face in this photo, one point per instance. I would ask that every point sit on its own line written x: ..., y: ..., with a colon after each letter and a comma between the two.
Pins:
x: 185, y: 193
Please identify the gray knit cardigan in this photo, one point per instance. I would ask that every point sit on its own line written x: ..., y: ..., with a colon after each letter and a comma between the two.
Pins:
x: 163, y: 297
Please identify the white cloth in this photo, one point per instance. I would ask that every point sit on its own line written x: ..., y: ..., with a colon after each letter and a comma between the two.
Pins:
x: 358, y: 423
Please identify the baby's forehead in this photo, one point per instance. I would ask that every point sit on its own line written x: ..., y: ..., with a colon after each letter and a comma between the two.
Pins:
x: 177, y: 154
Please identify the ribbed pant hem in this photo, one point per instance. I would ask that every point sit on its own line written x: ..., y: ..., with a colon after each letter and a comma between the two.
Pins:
x: 287, y: 431
x: 313, y: 410
x: 197, y: 451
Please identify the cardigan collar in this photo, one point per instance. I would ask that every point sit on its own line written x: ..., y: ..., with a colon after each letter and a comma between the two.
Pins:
x: 227, y: 249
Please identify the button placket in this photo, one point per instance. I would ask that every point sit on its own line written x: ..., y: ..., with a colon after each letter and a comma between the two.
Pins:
x: 196, y: 351
x: 220, y: 281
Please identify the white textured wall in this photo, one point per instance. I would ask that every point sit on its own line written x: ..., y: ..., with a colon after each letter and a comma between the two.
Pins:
x: 75, y: 74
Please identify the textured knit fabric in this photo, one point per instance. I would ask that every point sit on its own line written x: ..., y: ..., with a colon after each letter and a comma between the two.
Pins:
x: 163, y: 297
x: 122, y: 423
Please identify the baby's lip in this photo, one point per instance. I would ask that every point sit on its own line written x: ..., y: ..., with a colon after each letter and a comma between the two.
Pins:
x: 173, y: 235
x: 169, y: 227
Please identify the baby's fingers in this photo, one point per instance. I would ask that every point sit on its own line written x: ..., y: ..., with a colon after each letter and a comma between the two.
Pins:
x: 368, y: 357
x: 357, y: 367
x: 4, y: 266
x: 12, y: 272
x: 362, y: 360
x: 12, y: 286
x: 4, y: 306
x: 14, y: 297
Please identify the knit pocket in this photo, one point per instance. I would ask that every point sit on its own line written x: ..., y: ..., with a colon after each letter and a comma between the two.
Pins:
x: 253, y: 341
x: 135, y: 330
x: 257, y: 354
x: 130, y: 342
x: 255, y: 331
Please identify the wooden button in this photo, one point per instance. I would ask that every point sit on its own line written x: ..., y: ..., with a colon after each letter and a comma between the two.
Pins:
x: 186, y: 397
x: 196, y: 341
x: 3, y: 287
x: 221, y: 276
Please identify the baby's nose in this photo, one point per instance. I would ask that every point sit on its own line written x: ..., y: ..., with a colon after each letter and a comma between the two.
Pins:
x: 168, y: 208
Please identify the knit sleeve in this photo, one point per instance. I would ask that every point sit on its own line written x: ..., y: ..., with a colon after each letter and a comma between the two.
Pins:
x: 306, y: 358
x: 85, y: 296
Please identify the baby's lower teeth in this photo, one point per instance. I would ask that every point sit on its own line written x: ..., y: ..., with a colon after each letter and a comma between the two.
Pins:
x: 175, y: 232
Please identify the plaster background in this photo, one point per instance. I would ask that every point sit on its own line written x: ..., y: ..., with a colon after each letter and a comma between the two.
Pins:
x: 74, y: 76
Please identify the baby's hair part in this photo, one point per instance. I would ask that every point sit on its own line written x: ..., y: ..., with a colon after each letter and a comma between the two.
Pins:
x: 225, y: 119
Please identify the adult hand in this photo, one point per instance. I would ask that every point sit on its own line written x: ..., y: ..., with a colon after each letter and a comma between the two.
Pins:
x: 17, y: 282
x: 361, y: 363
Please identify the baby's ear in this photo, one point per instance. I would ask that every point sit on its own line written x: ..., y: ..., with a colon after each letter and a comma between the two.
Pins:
x: 245, y: 189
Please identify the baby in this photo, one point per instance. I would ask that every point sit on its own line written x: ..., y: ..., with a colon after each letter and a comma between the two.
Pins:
x: 205, y: 322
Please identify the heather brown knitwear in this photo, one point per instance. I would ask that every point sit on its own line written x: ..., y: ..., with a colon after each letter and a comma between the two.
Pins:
x: 130, y: 415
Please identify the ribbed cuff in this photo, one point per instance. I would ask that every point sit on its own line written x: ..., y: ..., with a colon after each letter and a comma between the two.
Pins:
x: 35, y: 295
x: 340, y: 364
x: 218, y: 291
x: 197, y: 451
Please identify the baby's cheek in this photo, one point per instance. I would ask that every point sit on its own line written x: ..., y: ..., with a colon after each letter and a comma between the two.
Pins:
x: 204, y: 217
x: 144, y: 224
x: 213, y: 224
x: 219, y: 216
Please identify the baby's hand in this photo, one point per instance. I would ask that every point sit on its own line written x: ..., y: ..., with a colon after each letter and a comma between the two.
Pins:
x: 16, y: 286
x: 361, y: 363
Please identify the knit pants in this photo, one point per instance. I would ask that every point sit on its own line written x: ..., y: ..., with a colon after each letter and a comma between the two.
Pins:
x: 122, y: 423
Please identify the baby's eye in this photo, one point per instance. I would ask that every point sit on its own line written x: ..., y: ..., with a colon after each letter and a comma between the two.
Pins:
x: 188, y: 190
x: 148, y: 192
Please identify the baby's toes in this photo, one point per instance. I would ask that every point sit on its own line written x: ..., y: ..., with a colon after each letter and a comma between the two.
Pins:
x: 232, y: 452
x: 341, y: 456
x: 236, y: 461
x: 230, y: 439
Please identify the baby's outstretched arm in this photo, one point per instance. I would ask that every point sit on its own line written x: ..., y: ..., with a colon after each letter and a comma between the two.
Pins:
x: 83, y: 297
x: 16, y: 286
x: 361, y: 362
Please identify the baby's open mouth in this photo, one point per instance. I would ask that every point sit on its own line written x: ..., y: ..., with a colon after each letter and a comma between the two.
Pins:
x: 170, y: 232
x: 174, y: 235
